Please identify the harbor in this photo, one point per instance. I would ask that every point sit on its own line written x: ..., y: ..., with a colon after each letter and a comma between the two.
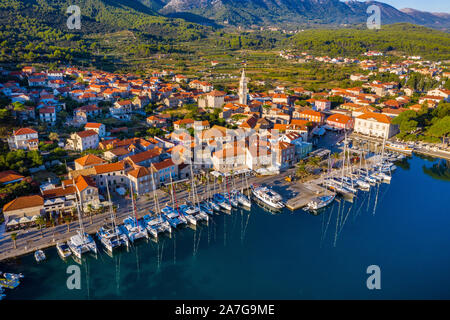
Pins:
x: 214, y: 260
x: 162, y: 212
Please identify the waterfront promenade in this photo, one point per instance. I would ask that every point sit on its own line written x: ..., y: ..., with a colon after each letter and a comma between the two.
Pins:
x: 33, y: 239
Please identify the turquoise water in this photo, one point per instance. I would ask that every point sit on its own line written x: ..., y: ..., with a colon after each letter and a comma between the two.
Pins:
x: 403, y: 227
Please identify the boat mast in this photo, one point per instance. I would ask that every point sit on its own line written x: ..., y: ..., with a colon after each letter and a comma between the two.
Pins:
x: 133, y: 204
x: 80, y: 219
x: 155, y: 198
x: 113, y: 219
x: 172, y: 191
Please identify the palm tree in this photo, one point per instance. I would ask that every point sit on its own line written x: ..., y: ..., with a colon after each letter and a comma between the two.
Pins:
x: 40, y: 221
x: 301, y: 170
x: 67, y: 219
x: 314, y: 161
x: 14, y: 238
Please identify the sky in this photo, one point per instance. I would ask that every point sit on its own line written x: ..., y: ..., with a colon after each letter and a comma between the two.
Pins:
x: 428, y: 5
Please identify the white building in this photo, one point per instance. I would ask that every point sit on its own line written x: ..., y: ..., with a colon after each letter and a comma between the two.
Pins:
x: 24, y: 138
x: 97, y: 127
x: 375, y: 125
x: 83, y: 140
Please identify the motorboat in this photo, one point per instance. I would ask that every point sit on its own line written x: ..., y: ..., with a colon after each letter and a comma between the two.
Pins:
x: 399, y: 147
x: 63, y: 250
x: 321, y: 202
x: 268, y: 196
x: 39, y: 255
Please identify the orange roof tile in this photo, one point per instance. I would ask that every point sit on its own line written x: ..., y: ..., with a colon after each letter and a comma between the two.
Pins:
x: 88, y: 160
x: 109, y: 167
x: 24, y: 203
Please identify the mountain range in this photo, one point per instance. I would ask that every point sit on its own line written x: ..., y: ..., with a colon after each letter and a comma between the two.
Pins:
x: 293, y: 12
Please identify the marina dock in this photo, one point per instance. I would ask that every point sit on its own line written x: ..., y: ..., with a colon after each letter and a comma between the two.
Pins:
x: 296, y: 195
x: 305, y: 192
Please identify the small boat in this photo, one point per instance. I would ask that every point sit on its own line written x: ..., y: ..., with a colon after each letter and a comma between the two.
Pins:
x: 9, y: 280
x: 39, y: 255
x: 82, y: 243
x: 134, y: 229
x: 11, y: 276
x: 399, y: 148
x: 268, y: 196
x: 63, y: 250
x: 112, y: 237
x: 320, y: 202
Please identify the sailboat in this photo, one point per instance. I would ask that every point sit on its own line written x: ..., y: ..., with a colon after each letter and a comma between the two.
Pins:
x: 155, y: 224
x: 241, y: 198
x: 82, y: 242
x: 132, y: 227
x: 172, y: 214
x: 110, y: 235
x: 192, y: 211
x: 209, y: 206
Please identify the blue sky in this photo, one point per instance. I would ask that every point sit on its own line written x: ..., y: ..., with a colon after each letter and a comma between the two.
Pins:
x: 422, y: 5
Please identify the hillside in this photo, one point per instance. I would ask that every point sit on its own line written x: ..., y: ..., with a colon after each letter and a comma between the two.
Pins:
x: 404, y: 38
x: 24, y: 37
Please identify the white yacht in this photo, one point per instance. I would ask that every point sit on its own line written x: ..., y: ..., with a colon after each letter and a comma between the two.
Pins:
x: 63, y: 250
x: 268, y: 196
x: 399, y: 148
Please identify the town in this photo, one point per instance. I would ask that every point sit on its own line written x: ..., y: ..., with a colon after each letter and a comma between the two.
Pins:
x: 81, y: 136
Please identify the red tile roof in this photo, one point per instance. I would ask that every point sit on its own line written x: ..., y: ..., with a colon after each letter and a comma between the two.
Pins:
x: 22, y: 131
x: 24, y: 203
